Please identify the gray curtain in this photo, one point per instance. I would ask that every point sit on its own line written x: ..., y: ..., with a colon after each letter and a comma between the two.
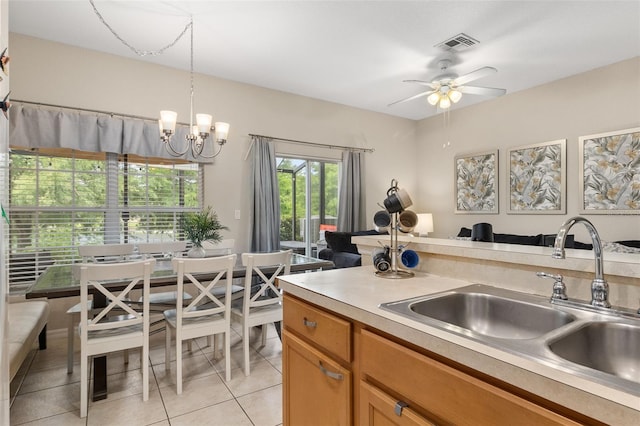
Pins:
x: 43, y: 127
x: 351, y: 214
x: 265, y: 201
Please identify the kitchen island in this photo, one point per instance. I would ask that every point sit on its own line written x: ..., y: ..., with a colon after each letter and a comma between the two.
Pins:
x: 347, y: 301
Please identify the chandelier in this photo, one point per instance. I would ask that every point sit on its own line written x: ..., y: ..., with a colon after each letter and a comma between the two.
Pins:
x: 198, y: 133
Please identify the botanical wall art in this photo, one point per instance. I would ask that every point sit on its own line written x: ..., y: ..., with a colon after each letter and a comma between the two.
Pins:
x: 610, y: 172
x: 537, y: 178
x: 476, y: 182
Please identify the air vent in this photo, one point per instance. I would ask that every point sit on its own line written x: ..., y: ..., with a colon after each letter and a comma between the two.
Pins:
x: 458, y: 43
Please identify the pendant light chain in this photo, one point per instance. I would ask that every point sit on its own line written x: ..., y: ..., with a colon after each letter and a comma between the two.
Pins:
x: 144, y: 52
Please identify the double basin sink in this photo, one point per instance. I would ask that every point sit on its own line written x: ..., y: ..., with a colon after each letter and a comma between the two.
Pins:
x: 601, y: 346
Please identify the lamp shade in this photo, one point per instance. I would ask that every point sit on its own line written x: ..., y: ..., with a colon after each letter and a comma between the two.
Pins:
x: 168, y: 120
x: 434, y: 98
x: 425, y: 224
x: 222, y: 131
x: 204, y: 123
x: 455, y: 95
x: 445, y: 102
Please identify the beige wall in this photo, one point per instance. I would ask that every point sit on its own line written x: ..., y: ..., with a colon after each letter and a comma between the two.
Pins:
x: 602, y: 100
x: 48, y: 72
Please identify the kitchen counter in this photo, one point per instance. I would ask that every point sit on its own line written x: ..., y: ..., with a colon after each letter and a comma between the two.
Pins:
x: 355, y: 293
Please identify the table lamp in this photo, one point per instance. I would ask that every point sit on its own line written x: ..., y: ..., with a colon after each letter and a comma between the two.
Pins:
x: 424, y: 226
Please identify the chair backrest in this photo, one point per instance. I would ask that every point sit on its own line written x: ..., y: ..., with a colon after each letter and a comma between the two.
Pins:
x: 95, y: 277
x: 260, y: 263
x: 171, y: 248
x: 220, y: 248
x: 203, y: 301
x: 105, y: 252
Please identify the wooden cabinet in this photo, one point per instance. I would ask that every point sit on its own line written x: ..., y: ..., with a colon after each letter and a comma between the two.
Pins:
x: 340, y: 372
x: 442, y: 393
x: 317, y: 381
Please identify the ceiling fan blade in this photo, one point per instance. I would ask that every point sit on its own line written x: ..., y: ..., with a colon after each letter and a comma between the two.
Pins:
x: 485, y: 91
x: 410, y: 98
x: 434, y: 86
x: 474, y: 75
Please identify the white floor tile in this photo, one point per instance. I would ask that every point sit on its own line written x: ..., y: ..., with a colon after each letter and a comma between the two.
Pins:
x: 49, y: 397
x: 226, y: 413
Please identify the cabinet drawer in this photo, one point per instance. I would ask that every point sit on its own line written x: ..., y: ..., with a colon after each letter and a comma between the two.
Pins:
x: 329, y: 332
x: 379, y: 409
x: 448, y: 395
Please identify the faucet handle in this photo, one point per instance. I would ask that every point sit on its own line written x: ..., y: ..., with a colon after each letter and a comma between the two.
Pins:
x: 559, y: 288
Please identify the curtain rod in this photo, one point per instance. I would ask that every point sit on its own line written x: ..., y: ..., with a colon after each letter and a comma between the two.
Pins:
x: 320, y: 145
x: 93, y: 111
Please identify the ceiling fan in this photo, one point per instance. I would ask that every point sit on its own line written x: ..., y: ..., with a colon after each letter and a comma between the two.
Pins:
x: 447, y: 88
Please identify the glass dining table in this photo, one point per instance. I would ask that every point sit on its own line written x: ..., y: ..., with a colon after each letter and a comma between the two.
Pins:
x: 59, y: 281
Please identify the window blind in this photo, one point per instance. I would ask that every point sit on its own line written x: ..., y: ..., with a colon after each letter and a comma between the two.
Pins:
x: 62, y: 198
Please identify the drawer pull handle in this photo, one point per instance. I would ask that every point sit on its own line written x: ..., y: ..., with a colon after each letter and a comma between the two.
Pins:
x: 336, y: 376
x: 310, y: 324
x: 399, y: 407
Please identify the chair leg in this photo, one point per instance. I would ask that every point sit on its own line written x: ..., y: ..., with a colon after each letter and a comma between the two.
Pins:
x: 84, y: 385
x: 167, y: 347
x: 178, y: 364
x: 145, y: 370
x: 215, y: 345
x: 227, y: 354
x: 245, y: 347
x: 126, y: 356
x: 264, y: 334
x: 70, y: 337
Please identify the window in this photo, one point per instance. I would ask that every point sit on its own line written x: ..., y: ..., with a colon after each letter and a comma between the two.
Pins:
x: 306, y: 205
x: 60, y: 199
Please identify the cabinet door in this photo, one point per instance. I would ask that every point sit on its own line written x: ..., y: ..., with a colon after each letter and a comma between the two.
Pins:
x: 316, y: 389
x: 379, y: 409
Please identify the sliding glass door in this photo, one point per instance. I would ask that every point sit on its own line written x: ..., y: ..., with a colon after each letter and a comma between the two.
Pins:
x: 308, y: 202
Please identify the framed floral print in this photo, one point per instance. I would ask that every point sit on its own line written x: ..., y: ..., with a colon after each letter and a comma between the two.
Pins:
x: 538, y: 178
x: 476, y: 183
x: 610, y: 172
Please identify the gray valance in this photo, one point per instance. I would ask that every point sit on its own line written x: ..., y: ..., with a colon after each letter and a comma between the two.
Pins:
x: 46, y: 127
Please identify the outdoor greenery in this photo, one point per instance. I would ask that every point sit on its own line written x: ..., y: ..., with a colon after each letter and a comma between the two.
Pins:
x: 294, y: 170
x: 58, y: 202
x: 202, y: 226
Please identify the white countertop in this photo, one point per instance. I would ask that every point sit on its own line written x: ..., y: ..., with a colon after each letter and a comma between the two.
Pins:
x: 356, y: 293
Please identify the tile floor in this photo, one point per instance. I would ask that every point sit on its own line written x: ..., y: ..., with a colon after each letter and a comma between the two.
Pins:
x: 44, y: 394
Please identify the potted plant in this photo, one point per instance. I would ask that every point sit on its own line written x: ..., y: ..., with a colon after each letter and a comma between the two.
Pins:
x: 202, y: 226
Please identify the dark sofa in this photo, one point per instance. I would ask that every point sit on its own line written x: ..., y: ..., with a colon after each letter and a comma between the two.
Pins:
x: 545, y: 240
x: 341, y: 251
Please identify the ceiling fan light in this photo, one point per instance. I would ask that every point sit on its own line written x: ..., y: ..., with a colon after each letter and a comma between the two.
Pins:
x: 455, y: 95
x: 433, y: 98
x: 445, y: 102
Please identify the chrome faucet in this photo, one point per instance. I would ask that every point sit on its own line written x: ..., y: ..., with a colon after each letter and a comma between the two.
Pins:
x: 599, y: 287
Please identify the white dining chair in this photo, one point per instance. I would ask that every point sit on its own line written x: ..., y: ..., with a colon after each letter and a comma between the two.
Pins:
x: 103, y: 253
x: 264, y: 306
x: 102, y: 331
x: 206, y: 315
x: 160, y: 301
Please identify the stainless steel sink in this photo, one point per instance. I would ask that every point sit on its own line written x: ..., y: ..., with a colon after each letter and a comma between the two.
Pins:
x: 492, y: 315
x: 599, y: 344
x: 612, y: 348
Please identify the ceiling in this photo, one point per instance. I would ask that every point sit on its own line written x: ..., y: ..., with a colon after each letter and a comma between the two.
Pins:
x: 354, y: 53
